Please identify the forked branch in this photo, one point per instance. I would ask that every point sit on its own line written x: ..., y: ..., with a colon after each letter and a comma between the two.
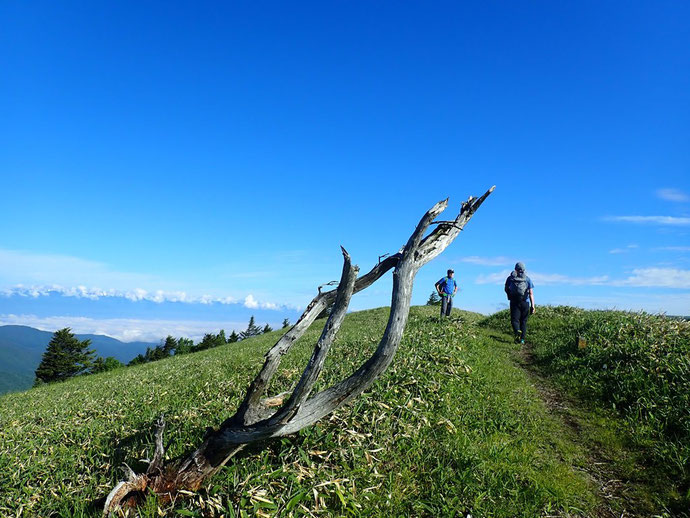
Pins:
x: 260, y: 418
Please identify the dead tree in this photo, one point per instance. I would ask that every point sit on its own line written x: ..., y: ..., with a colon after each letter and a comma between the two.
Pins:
x: 259, y: 418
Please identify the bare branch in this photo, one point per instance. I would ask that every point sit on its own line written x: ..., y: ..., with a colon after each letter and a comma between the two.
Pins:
x: 251, y: 410
x: 257, y: 418
x: 447, y: 223
x: 423, y: 224
x: 159, y: 454
x: 443, y: 235
x: 331, y: 283
x: 315, y: 365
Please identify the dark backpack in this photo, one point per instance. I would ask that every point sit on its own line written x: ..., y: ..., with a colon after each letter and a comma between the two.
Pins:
x: 517, y: 288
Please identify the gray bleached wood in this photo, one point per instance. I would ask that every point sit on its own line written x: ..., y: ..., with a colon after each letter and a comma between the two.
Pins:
x: 260, y: 418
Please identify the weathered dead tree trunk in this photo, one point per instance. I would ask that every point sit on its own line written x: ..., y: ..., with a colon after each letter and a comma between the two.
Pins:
x: 260, y: 418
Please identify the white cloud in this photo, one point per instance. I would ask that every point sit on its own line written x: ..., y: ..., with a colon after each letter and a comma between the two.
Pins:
x: 493, y: 278
x: 641, y: 277
x: 556, y: 278
x: 487, y: 261
x: 669, y: 194
x: 251, y: 303
x: 655, y: 220
x: 544, y: 279
x: 125, y: 329
x: 657, y: 277
x: 136, y: 295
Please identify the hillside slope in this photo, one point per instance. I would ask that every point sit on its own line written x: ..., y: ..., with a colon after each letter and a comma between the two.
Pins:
x: 455, y: 426
x: 21, y: 349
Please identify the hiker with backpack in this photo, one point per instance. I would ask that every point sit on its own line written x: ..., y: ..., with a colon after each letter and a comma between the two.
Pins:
x: 519, y: 289
x: 446, y: 288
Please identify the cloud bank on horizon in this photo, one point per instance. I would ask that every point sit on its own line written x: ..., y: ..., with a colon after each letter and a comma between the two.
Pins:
x: 34, y: 288
x: 128, y: 329
x: 127, y: 311
x: 35, y: 275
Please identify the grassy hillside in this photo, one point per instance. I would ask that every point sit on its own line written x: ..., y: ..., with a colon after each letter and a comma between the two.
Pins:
x: 636, y: 364
x: 455, y: 426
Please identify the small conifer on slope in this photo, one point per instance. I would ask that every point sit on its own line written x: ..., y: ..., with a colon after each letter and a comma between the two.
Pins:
x: 65, y: 356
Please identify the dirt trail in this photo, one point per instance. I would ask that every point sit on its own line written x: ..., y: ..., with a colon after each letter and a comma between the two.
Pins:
x: 615, y: 498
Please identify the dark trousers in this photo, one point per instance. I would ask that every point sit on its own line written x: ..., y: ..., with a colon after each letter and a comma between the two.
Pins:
x: 446, y: 305
x: 519, y: 312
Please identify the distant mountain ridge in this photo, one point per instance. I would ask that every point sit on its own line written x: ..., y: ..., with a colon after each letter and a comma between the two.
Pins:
x: 21, y: 349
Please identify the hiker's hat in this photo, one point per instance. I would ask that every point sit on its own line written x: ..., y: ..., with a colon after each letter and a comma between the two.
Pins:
x: 519, y: 267
x: 450, y: 270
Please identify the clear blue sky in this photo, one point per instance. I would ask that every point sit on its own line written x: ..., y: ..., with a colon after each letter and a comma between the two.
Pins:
x: 176, y: 167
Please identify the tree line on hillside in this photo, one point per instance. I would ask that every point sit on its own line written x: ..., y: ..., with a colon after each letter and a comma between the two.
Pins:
x: 66, y: 356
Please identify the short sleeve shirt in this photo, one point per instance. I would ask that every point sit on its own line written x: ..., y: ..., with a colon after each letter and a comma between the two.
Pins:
x: 447, y: 285
x: 530, y: 286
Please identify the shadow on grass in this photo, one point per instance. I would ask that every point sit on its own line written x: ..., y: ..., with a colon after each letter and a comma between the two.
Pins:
x: 119, y: 457
x: 501, y: 338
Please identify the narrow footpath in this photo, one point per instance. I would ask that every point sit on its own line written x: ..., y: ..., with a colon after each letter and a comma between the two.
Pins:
x: 616, y: 492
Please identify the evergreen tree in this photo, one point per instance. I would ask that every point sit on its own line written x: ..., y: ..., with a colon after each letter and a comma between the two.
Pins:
x: 169, y: 346
x: 252, y: 329
x: 184, y: 346
x: 137, y: 360
x: 98, y: 366
x: 267, y: 329
x: 157, y: 353
x: 104, y: 365
x: 234, y: 337
x: 434, y: 299
x: 286, y: 323
x: 65, y: 356
x: 208, y: 341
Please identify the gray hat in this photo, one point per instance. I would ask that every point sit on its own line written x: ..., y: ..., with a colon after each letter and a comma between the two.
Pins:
x: 519, y: 267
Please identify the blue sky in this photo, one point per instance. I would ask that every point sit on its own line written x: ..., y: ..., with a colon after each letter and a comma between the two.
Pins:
x: 178, y: 167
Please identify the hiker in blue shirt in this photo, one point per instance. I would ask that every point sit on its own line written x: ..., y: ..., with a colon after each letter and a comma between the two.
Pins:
x: 446, y: 288
x: 520, y: 291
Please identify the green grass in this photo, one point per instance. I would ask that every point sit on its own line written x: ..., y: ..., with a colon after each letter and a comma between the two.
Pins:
x: 636, y: 365
x: 453, y: 427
